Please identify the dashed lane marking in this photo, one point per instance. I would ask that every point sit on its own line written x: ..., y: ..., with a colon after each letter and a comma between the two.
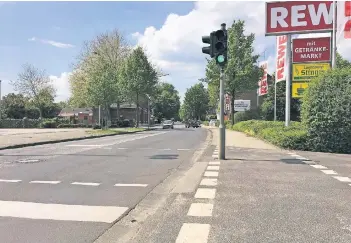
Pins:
x: 200, y: 210
x: 131, y: 185
x: 193, y: 233
x: 329, y: 172
x: 85, y: 183
x: 211, y: 174
x: 208, y: 182
x: 342, y: 178
x: 205, y: 193
x: 183, y: 149
x: 319, y: 167
x: 2, y: 180
x: 213, y: 167
x: 45, y: 182
x: 83, y: 213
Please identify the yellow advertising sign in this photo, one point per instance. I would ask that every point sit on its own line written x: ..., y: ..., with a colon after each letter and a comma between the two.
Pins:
x: 298, y: 89
x: 302, y: 72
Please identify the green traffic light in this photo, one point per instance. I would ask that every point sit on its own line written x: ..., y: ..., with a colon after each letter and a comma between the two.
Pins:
x: 220, y: 58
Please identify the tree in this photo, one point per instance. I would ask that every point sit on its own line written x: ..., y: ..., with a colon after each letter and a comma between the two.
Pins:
x: 96, y: 79
x: 13, y: 106
x: 341, y: 62
x: 36, y: 86
x: 167, y: 101
x: 241, y: 72
x: 139, y: 78
x: 267, y: 107
x: 196, y: 102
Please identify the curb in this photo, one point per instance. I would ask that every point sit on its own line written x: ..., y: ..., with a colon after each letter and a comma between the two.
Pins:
x: 65, y: 140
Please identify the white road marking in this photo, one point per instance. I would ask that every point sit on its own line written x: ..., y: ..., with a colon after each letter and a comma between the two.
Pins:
x: 85, y: 145
x: 329, y: 172
x: 2, y: 180
x: 215, y: 156
x: 319, y: 167
x: 183, y: 149
x: 211, y: 173
x: 193, y: 233
x: 200, y: 210
x: 342, y: 178
x: 165, y: 149
x: 208, y: 193
x: 45, y: 182
x: 212, y: 167
x: 28, y: 161
x: 208, y: 182
x: 301, y: 158
x: 214, y: 163
x: 85, y: 183
x: 131, y: 185
x: 292, y: 154
x: 122, y: 148
x: 84, y: 213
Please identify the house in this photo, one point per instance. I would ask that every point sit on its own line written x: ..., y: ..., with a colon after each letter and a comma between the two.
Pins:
x: 78, y: 115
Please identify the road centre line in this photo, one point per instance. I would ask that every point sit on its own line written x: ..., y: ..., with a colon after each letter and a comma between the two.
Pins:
x: 213, y: 167
x: 205, y: 193
x: 208, y: 182
x: 83, y: 213
x: 3, y: 180
x: 342, y: 178
x: 211, y: 174
x: 329, y: 172
x: 85, y: 183
x: 45, y: 182
x: 193, y: 233
x: 214, y: 163
x: 200, y: 210
x: 319, y: 167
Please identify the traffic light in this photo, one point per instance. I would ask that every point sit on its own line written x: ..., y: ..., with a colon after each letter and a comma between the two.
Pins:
x: 209, y: 40
x: 220, y: 45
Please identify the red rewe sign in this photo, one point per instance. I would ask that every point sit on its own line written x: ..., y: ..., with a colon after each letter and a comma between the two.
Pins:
x: 281, y: 58
x: 298, y: 17
x: 312, y: 50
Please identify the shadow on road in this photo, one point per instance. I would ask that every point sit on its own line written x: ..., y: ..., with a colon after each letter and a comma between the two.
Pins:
x: 164, y: 156
x: 287, y: 161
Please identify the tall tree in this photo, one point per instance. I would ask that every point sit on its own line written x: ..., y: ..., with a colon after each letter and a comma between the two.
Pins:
x: 167, y: 101
x: 36, y: 85
x: 13, y: 106
x: 241, y: 72
x: 96, y: 79
x: 196, y: 102
x: 139, y: 78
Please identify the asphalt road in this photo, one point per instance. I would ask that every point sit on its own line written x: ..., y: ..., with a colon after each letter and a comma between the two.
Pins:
x: 75, y: 191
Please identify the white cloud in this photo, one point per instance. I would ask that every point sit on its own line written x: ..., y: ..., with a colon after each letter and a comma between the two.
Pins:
x: 51, y: 42
x: 61, y: 85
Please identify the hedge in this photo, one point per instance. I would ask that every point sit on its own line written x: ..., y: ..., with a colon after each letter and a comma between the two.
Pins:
x: 274, y: 132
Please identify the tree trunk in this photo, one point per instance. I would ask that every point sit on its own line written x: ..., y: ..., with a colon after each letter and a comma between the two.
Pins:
x: 117, y: 110
x: 232, y: 107
x: 137, y: 110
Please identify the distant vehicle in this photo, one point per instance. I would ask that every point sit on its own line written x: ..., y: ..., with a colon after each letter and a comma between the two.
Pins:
x: 167, y: 124
x: 212, y: 123
x: 192, y: 123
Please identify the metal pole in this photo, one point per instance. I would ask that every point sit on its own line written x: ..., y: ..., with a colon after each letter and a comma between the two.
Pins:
x: 221, y: 118
x: 288, y: 81
x: 334, y: 34
x: 148, y: 113
x: 99, y: 115
x: 275, y: 100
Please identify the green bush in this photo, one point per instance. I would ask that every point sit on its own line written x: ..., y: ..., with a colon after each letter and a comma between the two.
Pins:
x: 48, y: 124
x: 74, y: 126
x: 326, y: 112
x: 274, y: 132
x: 205, y: 123
x: 245, y: 116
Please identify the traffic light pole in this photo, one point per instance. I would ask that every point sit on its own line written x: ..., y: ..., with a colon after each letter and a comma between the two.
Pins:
x: 221, y: 154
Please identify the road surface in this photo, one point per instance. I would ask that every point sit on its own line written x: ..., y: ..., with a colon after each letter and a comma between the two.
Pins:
x: 75, y: 191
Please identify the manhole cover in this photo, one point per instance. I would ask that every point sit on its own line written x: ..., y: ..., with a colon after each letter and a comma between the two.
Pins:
x: 28, y: 161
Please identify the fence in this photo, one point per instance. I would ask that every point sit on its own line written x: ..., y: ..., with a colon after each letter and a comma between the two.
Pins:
x: 19, y: 123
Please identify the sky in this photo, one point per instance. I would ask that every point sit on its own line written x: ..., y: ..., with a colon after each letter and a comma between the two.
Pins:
x: 50, y: 35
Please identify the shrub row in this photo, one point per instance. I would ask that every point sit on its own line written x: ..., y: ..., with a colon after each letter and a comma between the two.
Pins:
x: 292, y: 137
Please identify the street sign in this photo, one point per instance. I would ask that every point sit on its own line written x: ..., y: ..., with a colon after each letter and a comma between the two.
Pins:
x: 303, y: 72
x: 281, y: 58
x: 312, y: 50
x: 298, y: 17
x: 242, y: 105
x: 298, y: 89
x: 263, y: 83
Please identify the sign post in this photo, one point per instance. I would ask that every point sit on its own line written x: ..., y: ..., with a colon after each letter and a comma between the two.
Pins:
x: 287, y: 82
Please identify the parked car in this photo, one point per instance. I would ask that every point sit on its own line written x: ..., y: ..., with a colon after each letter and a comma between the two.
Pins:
x: 167, y: 124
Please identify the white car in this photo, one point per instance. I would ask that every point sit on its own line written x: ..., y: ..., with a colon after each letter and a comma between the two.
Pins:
x: 212, y: 123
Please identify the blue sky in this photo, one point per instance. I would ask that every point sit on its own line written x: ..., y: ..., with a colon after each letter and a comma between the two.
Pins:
x: 70, y: 23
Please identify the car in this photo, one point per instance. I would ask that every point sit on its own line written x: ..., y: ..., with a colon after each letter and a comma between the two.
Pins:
x: 167, y: 124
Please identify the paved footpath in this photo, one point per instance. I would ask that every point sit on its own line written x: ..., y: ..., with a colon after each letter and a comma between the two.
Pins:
x: 260, y: 194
